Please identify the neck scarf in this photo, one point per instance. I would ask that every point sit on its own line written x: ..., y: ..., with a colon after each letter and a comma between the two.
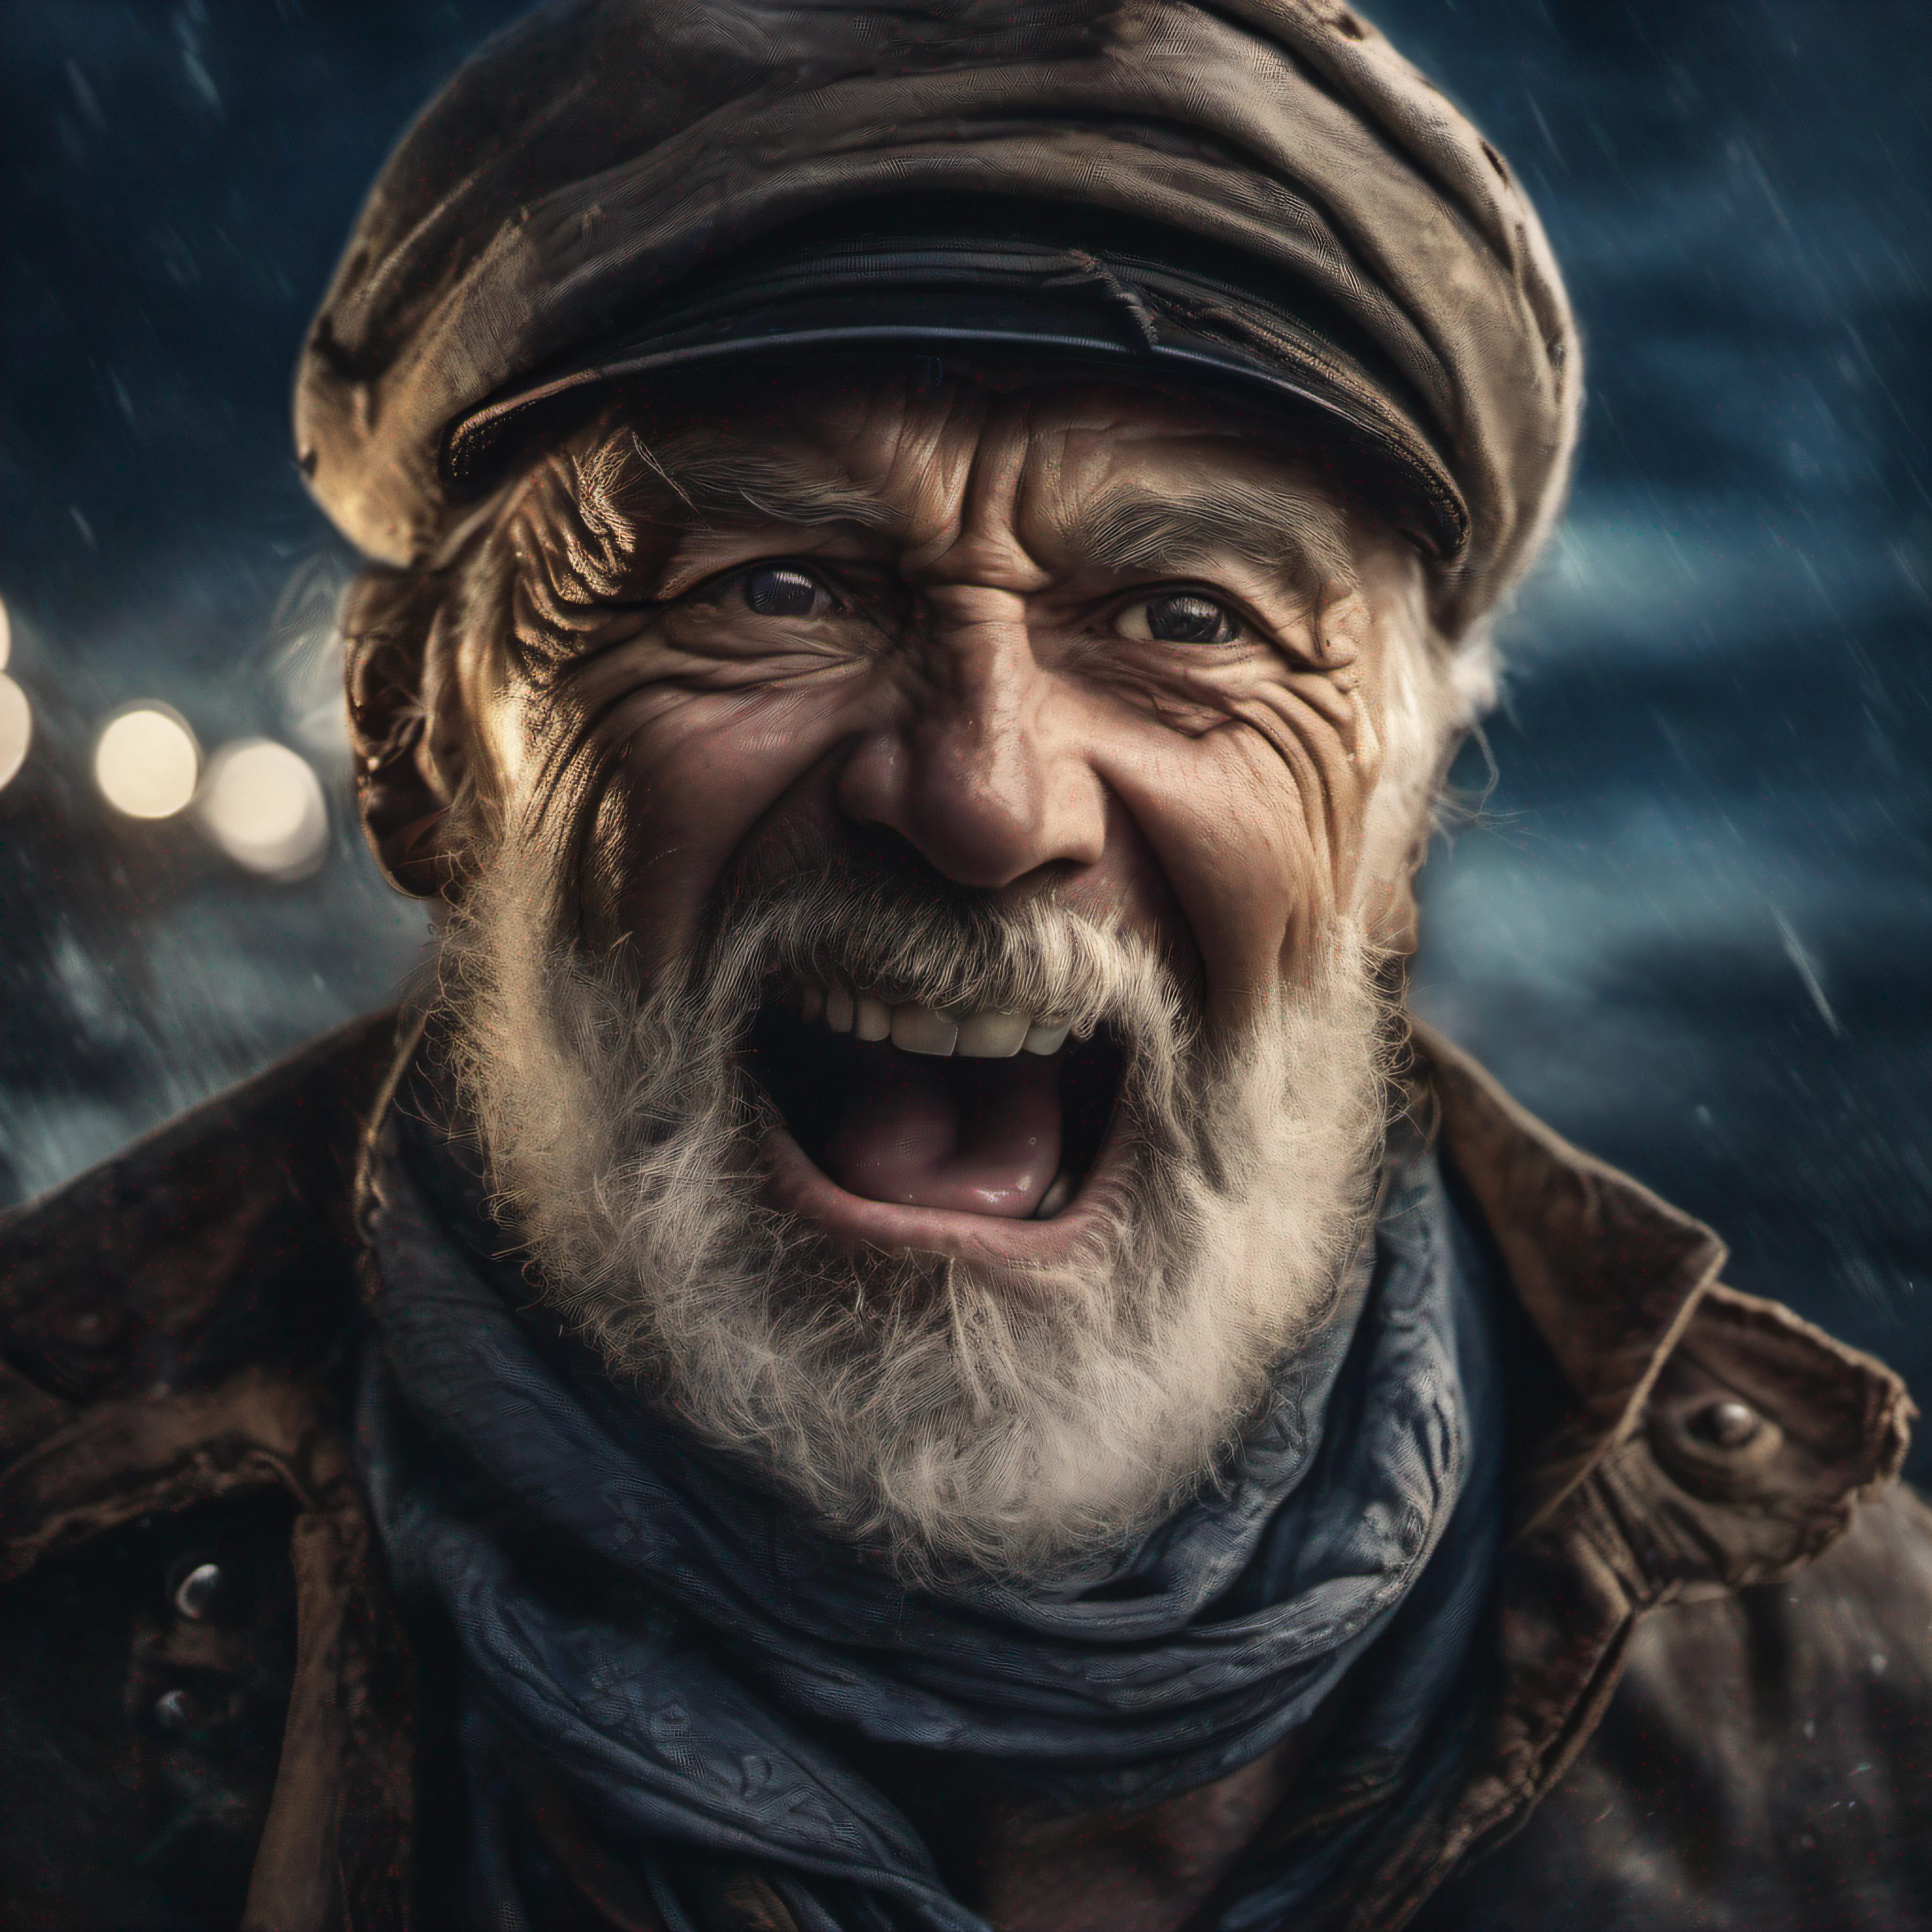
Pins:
x: 681, y: 1654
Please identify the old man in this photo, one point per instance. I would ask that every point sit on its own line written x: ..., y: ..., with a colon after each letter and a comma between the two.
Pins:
x: 908, y: 1337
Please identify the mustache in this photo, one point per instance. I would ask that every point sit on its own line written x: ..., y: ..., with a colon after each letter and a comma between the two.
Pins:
x: 886, y: 924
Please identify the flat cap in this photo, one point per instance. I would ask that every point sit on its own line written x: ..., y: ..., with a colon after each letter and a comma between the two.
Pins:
x: 1261, y: 193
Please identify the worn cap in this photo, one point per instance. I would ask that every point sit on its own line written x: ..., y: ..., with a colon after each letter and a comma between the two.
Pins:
x: 1263, y: 199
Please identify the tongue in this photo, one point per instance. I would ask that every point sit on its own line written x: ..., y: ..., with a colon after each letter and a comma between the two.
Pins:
x: 980, y: 1135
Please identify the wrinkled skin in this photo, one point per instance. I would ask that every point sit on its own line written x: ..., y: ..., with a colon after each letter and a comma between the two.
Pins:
x: 962, y: 640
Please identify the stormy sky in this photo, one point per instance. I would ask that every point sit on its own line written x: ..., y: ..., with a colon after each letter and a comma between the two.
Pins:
x: 1688, y: 915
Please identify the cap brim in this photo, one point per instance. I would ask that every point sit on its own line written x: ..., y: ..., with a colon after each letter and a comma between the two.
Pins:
x: 891, y: 300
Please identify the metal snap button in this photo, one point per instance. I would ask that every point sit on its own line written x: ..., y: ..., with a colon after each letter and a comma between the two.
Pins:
x: 1728, y: 1424
x: 176, y: 1711
x: 196, y: 1594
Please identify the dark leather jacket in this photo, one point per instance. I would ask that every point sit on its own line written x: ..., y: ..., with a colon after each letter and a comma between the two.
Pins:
x: 1713, y: 1628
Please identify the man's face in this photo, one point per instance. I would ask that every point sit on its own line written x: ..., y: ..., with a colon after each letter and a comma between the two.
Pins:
x: 1073, y: 641
x: 957, y: 812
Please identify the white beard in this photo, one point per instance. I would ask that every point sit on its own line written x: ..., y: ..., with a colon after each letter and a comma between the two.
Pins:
x: 943, y: 1414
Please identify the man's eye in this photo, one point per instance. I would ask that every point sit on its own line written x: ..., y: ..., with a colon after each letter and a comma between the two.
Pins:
x: 1180, y: 617
x: 782, y: 590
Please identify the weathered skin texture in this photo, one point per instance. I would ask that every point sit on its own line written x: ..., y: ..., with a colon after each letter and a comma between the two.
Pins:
x: 970, y: 681
x: 974, y: 681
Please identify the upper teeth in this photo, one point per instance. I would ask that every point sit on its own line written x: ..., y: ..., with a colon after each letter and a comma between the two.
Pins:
x: 913, y: 1028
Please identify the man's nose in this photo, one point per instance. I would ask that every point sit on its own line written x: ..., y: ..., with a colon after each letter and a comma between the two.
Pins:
x: 985, y: 775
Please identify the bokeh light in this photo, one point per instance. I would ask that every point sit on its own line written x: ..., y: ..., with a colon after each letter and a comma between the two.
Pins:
x: 263, y: 806
x: 17, y: 715
x: 17, y: 728
x: 147, y: 762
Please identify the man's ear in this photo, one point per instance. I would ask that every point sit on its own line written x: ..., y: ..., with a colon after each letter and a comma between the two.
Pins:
x: 403, y: 797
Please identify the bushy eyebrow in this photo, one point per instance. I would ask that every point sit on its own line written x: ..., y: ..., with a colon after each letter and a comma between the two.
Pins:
x: 1289, y: 534
x: 774, y: 486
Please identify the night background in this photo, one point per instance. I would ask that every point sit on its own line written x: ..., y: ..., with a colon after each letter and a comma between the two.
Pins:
x: 1692, y: 923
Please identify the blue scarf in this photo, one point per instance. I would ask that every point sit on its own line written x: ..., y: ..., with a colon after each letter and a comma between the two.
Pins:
x: 692, y: 1709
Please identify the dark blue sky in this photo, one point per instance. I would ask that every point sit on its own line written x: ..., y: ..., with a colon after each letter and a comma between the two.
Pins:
x: 1692, y: 924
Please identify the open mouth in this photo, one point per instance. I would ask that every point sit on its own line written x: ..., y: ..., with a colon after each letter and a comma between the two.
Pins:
x: 935, y: 1114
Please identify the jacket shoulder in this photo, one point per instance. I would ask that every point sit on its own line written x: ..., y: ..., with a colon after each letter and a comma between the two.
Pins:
x: 1766, y: 1761
x: 224, y: 1238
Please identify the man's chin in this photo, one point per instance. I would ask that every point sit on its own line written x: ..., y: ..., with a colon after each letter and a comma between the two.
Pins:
x: 850, y: 1223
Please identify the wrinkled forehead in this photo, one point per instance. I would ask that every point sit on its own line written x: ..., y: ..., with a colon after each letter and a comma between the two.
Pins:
x: 892, y: 445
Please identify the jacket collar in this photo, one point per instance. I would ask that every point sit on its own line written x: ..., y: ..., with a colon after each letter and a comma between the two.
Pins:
x: 1620, y: 1285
